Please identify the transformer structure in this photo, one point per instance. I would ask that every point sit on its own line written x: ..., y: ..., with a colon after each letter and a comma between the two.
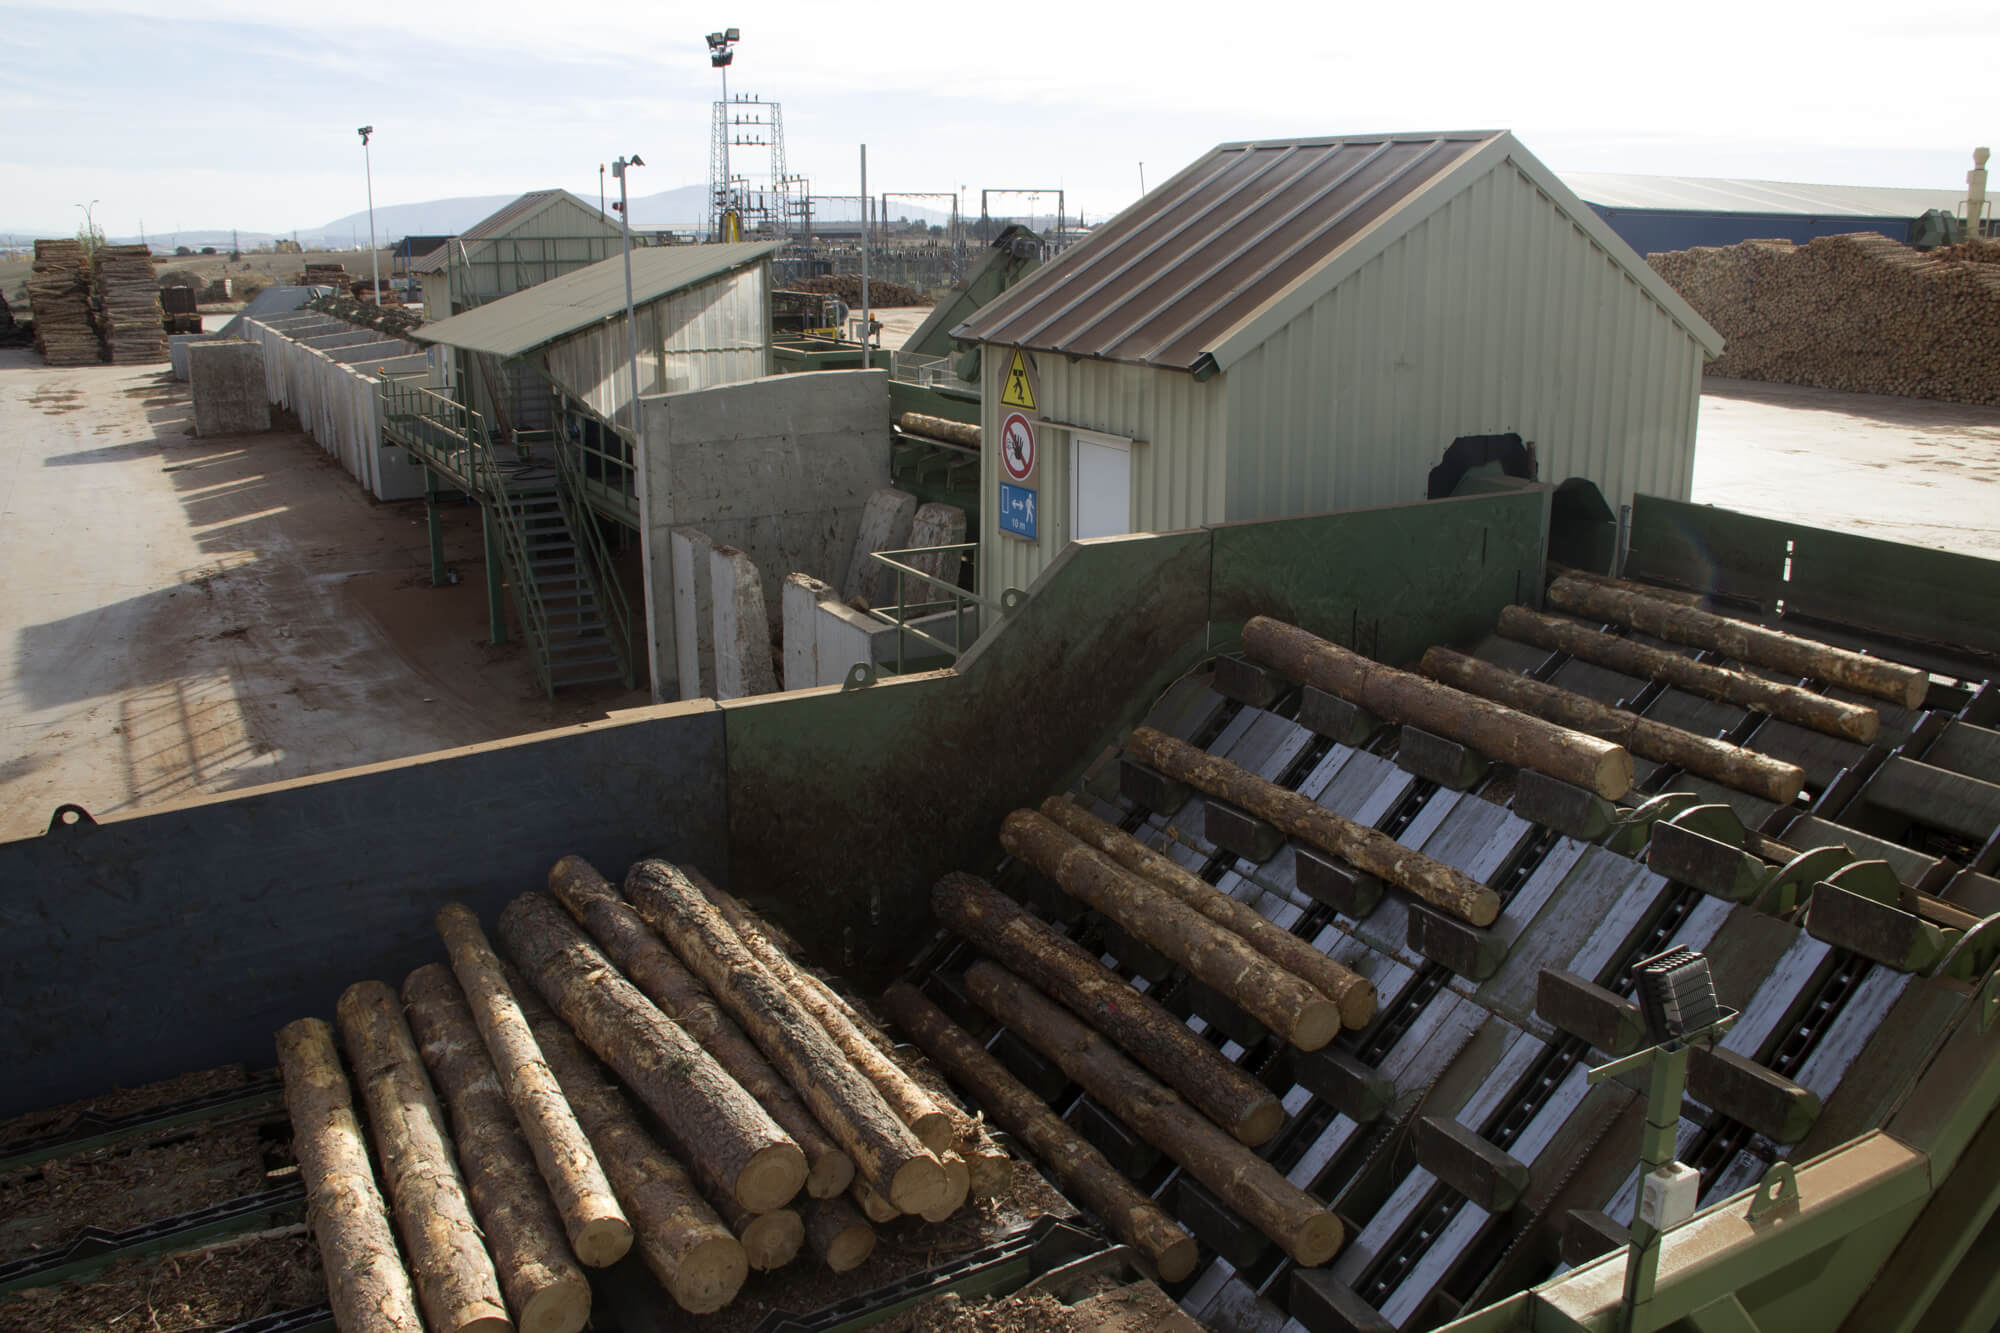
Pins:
x: 757, y: 201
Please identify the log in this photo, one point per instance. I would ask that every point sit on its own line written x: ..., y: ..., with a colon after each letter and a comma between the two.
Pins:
x: 770, y: 1240
x: 1681, y: 596
x: 599, y: 1233
x: 1404, y: 697
x: 1354, y: 993
x: 1226, y: 1094
x: 841, y: 1238
x: 940, y: 428
x: 1745, y: 642
x: 366, y: 1283
x: 1276, y: 998
x: 1368, y: 850
x: 1251, y: 1187
x: 456, y: 1284
x: 913, y: 1105
x: 877, y: 1209
x: 1788, y: 703
x: 1080, y: 1168
x: 545, y: 1289
x: 1731, y: 765
x: 960, y: 1177
x: 680, y: 1239
x: 731, y: 1141
x: 887, y: 1155
x: 664, y: 980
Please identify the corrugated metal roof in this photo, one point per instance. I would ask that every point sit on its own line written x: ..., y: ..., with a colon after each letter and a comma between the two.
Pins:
x: 1708, y: 194
x: 517, y: 324
x: 1161, y: 282
x: 497, y: 223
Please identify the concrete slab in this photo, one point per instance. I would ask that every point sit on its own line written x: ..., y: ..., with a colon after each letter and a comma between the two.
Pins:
x: 800, y: 618
x: 742, y: 628
x: 885, y: 526
x: 227, y: 380
x: 693, y: 620
x: 935, y: 524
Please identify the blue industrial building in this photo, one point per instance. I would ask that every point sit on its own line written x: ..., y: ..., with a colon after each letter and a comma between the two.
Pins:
x: 1655, y: 213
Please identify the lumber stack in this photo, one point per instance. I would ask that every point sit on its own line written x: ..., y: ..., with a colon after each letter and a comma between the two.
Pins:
x: 59, y: 295
x: 128, y: 305
x: 502, y: 1097
x: 1859, y: 313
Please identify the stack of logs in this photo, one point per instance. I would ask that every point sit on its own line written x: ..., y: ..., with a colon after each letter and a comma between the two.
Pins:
x: 128, y: 305
x: 59, y: 295
x: 512, y: 1162
x: 1860, y: 313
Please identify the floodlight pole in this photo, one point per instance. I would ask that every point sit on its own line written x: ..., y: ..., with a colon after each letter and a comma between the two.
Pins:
x: 640, y: 491
x: 368, y: 170
x: 865, y: 359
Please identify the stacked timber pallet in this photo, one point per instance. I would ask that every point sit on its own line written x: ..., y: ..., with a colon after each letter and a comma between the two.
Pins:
x: 128, y: 305
x: 512, y: 1160
x: 59, y: 295
x: 1858, y: 313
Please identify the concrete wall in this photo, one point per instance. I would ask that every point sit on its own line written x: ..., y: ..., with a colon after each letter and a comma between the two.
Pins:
x: 778, y: 468
x: 227, y: 381
x: 326, y: 375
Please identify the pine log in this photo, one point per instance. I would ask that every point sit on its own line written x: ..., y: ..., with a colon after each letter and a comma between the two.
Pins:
x: 366, y: 1283
x: 1731, y: 765
x: 545, y: 1288
x: 456, y: 1284
x: 1251, y: 1187
x: 940, y: 428
x: 1404, y: 697
x: 1745, y: 642
x: 599, y: 1233
x: 911, y: 1102
x: 1215, y: 955
x: 959, y: 1175
x: 887, y: 1155
x: 1679, y: 596
x: 770, y: 1240
x: 878, y: 1209
x: 664, y: 980
x: 1080, y: 1168
x: 680, y: 1239
x: 1229, y: 1095
x: 1368, y: 850
x: 1788, y: 703
x: 1354, y: 993
x: 841, y: 1238
x: 731, y: 1141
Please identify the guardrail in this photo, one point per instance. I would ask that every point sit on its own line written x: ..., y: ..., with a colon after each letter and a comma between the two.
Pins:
x: 955, y: 602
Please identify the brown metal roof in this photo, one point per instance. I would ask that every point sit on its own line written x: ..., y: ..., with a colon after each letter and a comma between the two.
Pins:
x: 1164, y: 280
x: 497, y: 223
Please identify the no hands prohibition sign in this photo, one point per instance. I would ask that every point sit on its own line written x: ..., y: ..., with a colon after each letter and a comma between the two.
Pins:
x: 1017, y: 446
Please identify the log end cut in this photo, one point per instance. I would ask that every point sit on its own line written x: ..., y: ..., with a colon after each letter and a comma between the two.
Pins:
x: 1318, y: 1022
x: 1260, y: 1122
x: 1317, y: 1240
x: 1357, y: 1000
x: 710, y: 1275
x: 850, y: 1247
x: 771, y: 1178
x: 772, y: 1240
x: 831, y: 1176
x: 482, y: 1318
x: 1614, y: 773
x: 563, y: 1306
x: 600, y: 1242
x: 1482, y: 909
x: 934, y: 1130
x: 959, y: 1176
x: 920, y: 1186
x: 1176, y: 1258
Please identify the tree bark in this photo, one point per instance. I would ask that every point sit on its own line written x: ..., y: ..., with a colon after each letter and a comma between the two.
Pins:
x: 911, y: 1102
x: 1228, y: 1095
x: 1745, y: 642
x: 1731, y: 765
x: 940, y: 428
x: 680, y: 1239
x: 366, y: 1283
x: 1678, y: 596
x: 1081, y: 1169
x: 1402, y: 697
x: 599, y: 1233
x: 729, y: 1138
x: 545, y: 1288
x: 664, y: 980
x: 1368, y: 850
x: 1354, y: 993
x: 841, y: 1238
x: 1249, y: 1185
x: 456, y: 1284
x: 1217, y: 956
x: 1788, y: 703
x: 887, y: 1155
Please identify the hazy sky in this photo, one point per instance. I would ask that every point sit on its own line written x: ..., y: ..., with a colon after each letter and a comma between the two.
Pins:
x: 217, y: 113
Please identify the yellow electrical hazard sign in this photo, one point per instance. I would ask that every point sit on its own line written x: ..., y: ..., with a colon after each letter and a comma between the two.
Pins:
x: 1020, y: 391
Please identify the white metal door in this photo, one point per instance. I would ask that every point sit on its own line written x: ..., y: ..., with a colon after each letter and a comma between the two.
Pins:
x: 1100, y: 486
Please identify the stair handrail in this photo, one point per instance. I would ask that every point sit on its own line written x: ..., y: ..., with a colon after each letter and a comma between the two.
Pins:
x: 490, y: 479
x: 595, y: 560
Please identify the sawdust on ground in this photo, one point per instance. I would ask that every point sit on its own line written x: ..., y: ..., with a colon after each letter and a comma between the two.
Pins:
x: 212, y: 1287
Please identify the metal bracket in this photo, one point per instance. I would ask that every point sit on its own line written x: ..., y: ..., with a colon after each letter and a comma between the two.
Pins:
x: 1011, y: 600
x: 70, y: 815
x: 1778, y: 1189
x: 1989, y: 1002
x: 859, y: 676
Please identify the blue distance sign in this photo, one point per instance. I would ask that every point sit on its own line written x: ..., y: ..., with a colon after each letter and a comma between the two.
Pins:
x: 1017, y: 511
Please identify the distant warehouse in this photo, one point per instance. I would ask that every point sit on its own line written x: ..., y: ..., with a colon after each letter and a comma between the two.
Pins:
x: 1656, y: 213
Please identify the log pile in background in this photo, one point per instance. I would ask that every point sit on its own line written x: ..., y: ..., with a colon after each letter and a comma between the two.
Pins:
x: 1859, y: 313
x: 128, y: 305
x: 847, y: 286
x: 59, y: 295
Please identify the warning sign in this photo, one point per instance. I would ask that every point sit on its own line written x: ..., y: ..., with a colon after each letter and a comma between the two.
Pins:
x: 1017, y: 446
x: 1020, y: 390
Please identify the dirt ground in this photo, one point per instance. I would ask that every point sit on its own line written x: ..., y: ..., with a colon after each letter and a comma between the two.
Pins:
x: 1902, y: 469
x: 192, y: 616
